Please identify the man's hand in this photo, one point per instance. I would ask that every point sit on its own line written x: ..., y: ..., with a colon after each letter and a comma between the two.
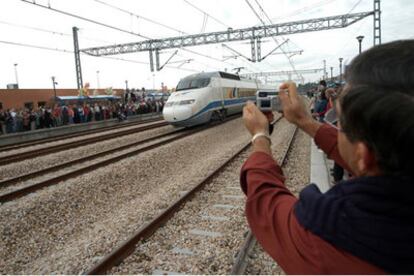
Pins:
x: 254, y: 120
x: 294, y: 109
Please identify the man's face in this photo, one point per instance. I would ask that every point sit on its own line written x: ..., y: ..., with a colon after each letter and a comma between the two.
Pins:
x: 346, y: 148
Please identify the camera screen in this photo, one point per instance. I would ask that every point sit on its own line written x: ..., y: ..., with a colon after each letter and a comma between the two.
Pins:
x: 265, y: 103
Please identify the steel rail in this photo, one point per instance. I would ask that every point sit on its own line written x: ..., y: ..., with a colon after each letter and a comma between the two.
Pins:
x: 43, y: 151
x: 13, y: 180
x: 71, y: 135
x: 51, y: 181
x: 127, y: 247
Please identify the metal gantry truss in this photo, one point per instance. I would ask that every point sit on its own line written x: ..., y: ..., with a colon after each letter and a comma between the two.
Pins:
x: 281, y: 73
x: 287, y: 73
x: 77, y: 58
x: 377, y: 22
x: 254, y: 34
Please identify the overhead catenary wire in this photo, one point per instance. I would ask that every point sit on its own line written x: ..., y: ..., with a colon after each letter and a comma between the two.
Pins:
x: 301, y: 11
x: 217, y: 20
x: 138, y: 16
x: 40, y: 47
x: 36, y: 46
x: 104, y: 24
x: 355, y: 5
x: 200, y: 10
x: 158, y: 23
x: 35, y: 28
x: 277, y: 43
x: 53, y: 32
x: 122, y: 30
x: 304, y: 9
x: 85, y: 19
x: 263, y: 23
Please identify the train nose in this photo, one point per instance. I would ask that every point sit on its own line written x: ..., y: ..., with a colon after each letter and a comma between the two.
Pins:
x: 176, y: 113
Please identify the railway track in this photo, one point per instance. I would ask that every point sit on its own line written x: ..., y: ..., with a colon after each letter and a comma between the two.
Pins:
x: 126, y: 248
x: 77, y: 167
x: 72, y: 135
x: 5, y: 160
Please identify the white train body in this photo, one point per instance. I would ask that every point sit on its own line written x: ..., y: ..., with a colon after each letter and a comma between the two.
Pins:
x: 202, y: 97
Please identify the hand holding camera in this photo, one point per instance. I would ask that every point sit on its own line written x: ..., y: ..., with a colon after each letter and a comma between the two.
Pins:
x: 294, y: 109
x: 254, y: 120
x: 287, y: 101
x: 268, y: 101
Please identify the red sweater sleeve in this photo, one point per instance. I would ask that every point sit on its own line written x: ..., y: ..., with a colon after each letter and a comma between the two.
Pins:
x: 326, y: 139
x: 269, y: 211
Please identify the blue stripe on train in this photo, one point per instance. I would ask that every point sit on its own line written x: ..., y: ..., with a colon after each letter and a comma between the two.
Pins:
x: 216, y: 104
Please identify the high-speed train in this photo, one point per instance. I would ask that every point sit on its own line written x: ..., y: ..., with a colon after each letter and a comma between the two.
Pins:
x: 202, y: 97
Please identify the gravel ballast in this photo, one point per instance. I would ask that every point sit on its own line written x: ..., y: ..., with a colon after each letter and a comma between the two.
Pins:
x: 176, y: 247
x: 67, y: 227
x: 41, y: 162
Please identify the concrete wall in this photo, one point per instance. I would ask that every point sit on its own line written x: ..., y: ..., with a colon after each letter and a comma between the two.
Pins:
x: 16, y: 98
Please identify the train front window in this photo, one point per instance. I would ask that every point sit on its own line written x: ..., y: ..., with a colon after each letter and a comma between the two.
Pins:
x: 192, y: 83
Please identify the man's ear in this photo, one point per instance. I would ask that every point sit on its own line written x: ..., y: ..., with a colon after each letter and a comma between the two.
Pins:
x: 366, y: 161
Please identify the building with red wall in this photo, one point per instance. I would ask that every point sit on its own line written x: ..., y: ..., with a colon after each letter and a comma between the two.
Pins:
x: 33, y: 98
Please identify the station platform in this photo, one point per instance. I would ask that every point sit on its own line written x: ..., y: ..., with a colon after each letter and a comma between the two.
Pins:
x: 320, y: 168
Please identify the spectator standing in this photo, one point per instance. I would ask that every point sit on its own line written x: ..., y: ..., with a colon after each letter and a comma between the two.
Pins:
x: 71, y: 115
x: 364, y: 225
x: 13, y: 120
x: 57, y: 115
x: 65, y: 115
x: 2, y: 122
x: 81, y: 114
x: 321, y: 106
x: 97, y: 112
x: 26, y: 120
x: 87, y: 112
x: 33, y: 119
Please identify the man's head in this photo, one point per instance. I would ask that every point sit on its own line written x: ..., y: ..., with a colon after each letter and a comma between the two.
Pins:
x: 322, y: 85
x: 389, y: 66
x: 376, y: 111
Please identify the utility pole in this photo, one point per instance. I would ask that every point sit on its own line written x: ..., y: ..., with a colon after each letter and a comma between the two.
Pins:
x: 331, y: 73
x: 126, y: 91
x: 324, y: 69
x: 54, y: 87
x: 97, y: 79
x: 340, y: 70
x: 15, y: 75
x: 360, y: 38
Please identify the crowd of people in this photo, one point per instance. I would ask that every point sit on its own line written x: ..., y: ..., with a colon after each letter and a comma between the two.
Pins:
x: 362, y: 225
x: 55, y: 115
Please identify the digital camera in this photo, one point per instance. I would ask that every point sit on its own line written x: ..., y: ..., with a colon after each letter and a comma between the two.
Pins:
x: 268, y: 100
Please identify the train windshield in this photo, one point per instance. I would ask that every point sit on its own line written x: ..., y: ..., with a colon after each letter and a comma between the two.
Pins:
x: 192, y: 83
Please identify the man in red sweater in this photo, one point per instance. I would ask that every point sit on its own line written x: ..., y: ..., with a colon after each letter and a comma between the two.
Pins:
x: 361, y: 226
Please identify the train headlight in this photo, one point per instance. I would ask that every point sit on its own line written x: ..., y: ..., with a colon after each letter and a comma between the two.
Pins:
x: 169, y: 104
x: 185, y: 102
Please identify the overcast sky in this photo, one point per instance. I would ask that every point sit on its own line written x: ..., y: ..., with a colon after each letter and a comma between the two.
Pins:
x: 35, y: 66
